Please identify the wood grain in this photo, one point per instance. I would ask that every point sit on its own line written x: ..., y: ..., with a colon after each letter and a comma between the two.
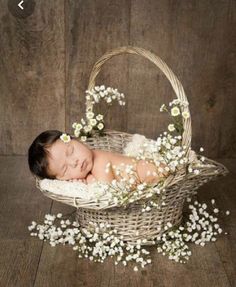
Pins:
x: 94, y: 27
x: 195, y: 38
x: 46, y: 60
x: 32, y: 75
x: 20, y: 203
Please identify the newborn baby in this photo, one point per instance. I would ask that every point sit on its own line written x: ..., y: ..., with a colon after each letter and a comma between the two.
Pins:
x: 50, y: 157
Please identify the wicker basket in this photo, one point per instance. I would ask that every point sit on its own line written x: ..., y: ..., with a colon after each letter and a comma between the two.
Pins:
x: 131, y: 222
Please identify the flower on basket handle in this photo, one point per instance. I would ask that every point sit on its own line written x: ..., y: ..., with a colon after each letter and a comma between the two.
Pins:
x: 177, y: 113
x: 171, y: 144
x: 87, y: 127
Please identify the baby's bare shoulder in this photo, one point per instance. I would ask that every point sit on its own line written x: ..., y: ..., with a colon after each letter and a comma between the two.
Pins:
x: 118, y: 159
x: 101, y: 158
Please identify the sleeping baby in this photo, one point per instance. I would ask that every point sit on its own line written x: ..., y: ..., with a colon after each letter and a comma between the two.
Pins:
x: 52, y: 158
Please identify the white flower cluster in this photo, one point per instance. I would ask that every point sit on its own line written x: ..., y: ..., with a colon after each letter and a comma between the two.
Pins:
x: 174, y: 246
x: 85, y: 127
x: 93, y: 122
x: 107, y: 94
x: 65, y: 138
x: 97, y: 242
x: 177, y: 112
x: 168, y: 154
x: 199, y: 229
x: 166, y: 150
x: 176, y: 109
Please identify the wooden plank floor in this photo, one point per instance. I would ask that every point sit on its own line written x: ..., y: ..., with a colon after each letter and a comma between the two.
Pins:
x: 27, y: 261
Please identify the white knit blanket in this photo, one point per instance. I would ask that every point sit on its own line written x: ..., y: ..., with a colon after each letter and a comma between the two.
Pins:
x: 92, y: 190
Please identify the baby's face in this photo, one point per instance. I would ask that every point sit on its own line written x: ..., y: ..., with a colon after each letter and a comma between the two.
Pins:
x: 66, y: 159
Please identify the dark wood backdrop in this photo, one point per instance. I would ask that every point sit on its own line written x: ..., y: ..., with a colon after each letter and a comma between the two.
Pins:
x: 46, y: 59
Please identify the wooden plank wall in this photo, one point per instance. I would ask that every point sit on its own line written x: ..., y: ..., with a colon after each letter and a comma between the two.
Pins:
x: 46, y: 59
x: 32, y: 74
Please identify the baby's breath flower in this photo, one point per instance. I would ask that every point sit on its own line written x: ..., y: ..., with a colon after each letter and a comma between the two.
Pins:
x: 175, y: 111
x: 89, y: 115
x: 88, y: 128
x: 190, y: 169
x: 77, y: 133
x: 78, y: 127
x: 185, y: 115
x: 196, y: 171
x: 100, y: 126
x: 65, y: 138
x: 93, y: 122
x: 99, y: 117
x: 162, y: 108
x: 171, y: 127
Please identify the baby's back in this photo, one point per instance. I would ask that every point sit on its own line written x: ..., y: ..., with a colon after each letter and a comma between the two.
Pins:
x: 144, y: 171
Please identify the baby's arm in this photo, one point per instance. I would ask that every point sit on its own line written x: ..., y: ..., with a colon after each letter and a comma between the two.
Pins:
x: 148, y: 172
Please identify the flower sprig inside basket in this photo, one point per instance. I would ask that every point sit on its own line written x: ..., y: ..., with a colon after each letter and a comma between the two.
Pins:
x: 87, y: 127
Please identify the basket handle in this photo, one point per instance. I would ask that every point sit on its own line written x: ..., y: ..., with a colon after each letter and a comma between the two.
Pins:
x: 175, y: 83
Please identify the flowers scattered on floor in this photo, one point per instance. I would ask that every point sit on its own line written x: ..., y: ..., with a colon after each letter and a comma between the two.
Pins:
x: 95, y: 123
x: 200, y: 228
x: 99, y: 241
x: 96, y: 242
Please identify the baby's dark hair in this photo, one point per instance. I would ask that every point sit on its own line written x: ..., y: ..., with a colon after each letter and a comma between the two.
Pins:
x: 38, y: 153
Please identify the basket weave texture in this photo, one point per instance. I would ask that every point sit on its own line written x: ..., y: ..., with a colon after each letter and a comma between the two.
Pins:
x: 130, y: 222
